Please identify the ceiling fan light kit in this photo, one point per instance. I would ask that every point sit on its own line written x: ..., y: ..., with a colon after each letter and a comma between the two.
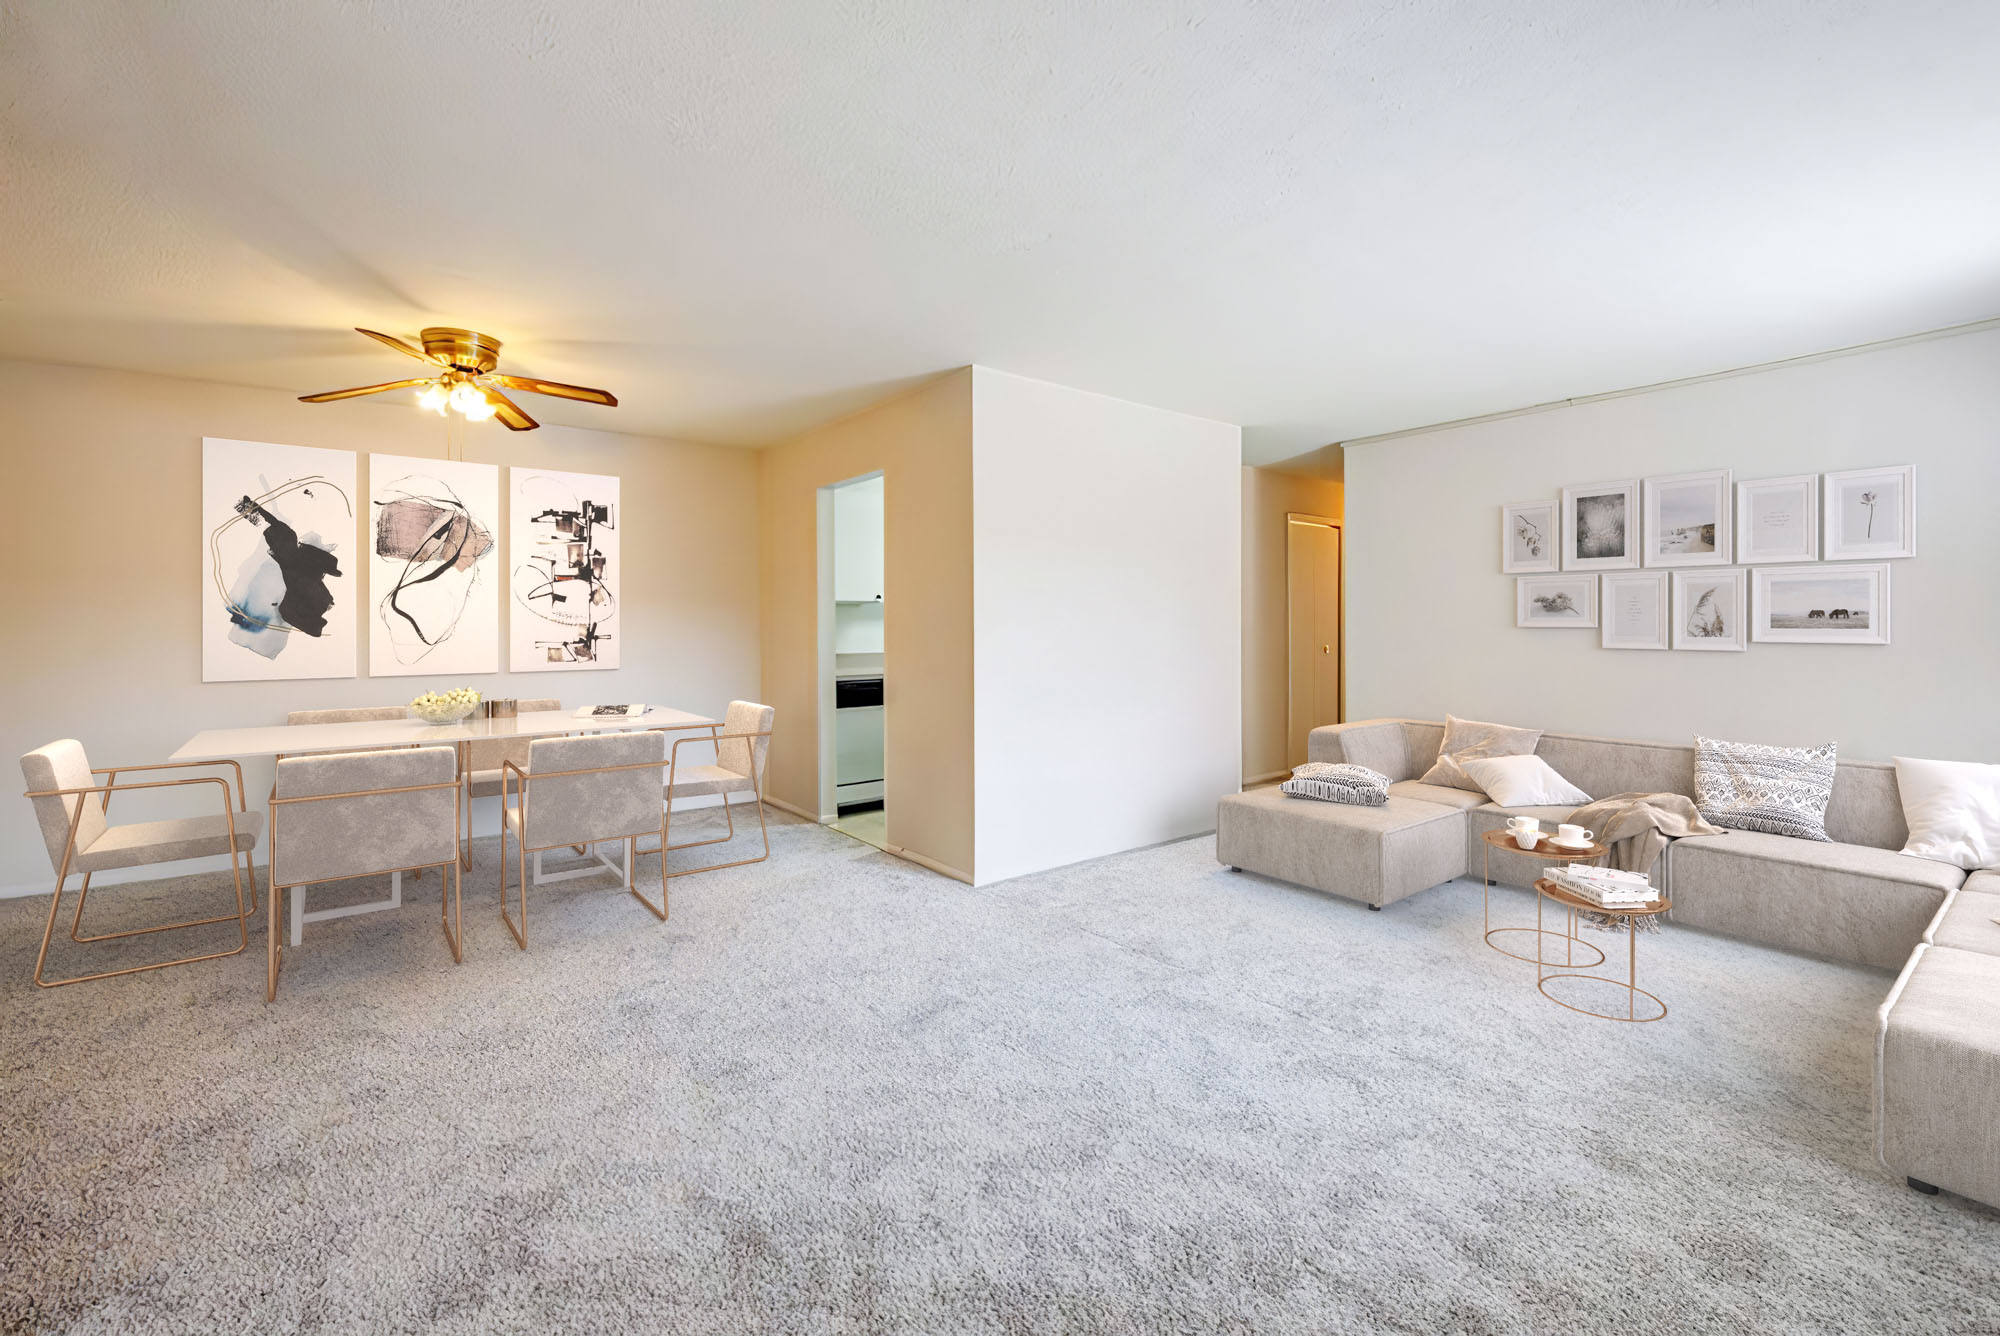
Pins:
x: 467, y: 381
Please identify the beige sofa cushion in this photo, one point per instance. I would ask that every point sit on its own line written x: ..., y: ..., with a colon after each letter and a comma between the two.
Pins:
x: 1970, y: 921
x: 1469, y: 739
x: 1839, y: 901
x: 1436, y: 793
x: 1938, y: 1073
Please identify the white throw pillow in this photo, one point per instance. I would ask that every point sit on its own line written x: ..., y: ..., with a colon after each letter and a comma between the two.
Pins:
x: 1953, y: 810
x: 1522, y: 781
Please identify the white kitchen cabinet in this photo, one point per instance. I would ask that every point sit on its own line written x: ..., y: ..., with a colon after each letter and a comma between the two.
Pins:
x: 857, y: 542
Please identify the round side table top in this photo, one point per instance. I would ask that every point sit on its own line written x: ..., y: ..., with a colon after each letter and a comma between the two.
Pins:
x: 1562, y: 897
x: 1501, y: 839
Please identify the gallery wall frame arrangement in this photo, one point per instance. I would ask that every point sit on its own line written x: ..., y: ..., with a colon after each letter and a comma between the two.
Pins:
x: 1777, y: 520
x: 1601, y: 526
x: 1687, y: 520
x: 564, y: 551
x: 434, y: 566
x: 277, y: 571
x: 1825, y: 604
x: 1530, y: 537
x: 1710, y: 609
x: 1870, y: 514
x: 1635, y: 610
x: 1552, y: 602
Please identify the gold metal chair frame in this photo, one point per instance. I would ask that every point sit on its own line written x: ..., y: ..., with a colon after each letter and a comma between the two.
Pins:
x: 756, y: 792
x: 105, y: 790
x: 451, y: 917
x: 509, y: 771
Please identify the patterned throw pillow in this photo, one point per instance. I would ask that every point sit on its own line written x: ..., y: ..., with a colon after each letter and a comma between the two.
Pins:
x: 1775, y: 790
x: 1354, y: 785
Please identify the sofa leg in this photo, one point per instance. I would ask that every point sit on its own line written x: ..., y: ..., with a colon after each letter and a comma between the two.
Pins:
x: 1234, y: 868
x: 1376, y: 908
x: 1918, y: 1185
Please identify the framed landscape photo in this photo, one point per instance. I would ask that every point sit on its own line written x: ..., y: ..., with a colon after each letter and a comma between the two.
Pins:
x: 1823, y: 605
x: 1687, y: 520
x: 1529, y: 537
x: 1601, y: 526
x: 1777, y: 520
x: 1709, y: 610
x: 1635, y: 610
x: 1870, y: 514
x: 1565, y: 600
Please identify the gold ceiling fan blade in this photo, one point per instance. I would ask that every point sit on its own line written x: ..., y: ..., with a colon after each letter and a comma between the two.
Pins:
x: 510, y: 413
x: 558, y: 389
x: 408, y: 350
x: 360, y: 390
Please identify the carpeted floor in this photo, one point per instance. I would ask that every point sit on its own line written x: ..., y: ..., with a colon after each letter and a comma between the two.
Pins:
x: 837, y: 1093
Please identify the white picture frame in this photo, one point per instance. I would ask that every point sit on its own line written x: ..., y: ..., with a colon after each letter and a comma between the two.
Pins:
x: 1530, y: 537
x: 1825, y: 604
x: 279, y: 569
x: 434, y: 567
x: 1634, y: 612
x: 566, y: 569
x: 1566, y: 600
x: 1710, y: 609
x: 1687, y: 520
x: 1777, y: 520
x: 1869, y: 514
x: 1601, y: 526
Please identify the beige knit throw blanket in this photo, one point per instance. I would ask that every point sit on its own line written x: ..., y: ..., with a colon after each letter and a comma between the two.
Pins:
x: 1637, y: 826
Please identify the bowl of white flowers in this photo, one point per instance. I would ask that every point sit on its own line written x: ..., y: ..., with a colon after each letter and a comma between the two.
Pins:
x: 445, y: 707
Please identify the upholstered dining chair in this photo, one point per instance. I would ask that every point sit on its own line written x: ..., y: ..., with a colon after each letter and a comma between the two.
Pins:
x: 581, y: 791
x: 72, y: 810
x: 484, y: 758
x: 362, y: 714
x: 740, y: 751
x: 356, y: 814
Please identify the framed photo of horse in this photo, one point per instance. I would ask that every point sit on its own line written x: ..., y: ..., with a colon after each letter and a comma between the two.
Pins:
x: 1847, y: 604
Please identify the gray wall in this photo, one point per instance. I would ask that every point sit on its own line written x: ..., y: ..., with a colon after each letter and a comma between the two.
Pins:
x: 1430, y: 623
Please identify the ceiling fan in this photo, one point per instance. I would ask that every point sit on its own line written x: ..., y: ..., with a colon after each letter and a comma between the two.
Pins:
x: 465, y: 380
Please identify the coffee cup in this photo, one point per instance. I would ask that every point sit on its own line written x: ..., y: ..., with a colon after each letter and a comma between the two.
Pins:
x: 1523, y: 824
x: 1568, y: 834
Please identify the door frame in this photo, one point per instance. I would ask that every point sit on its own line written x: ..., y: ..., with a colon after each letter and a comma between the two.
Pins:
x: 1340, y: 705
x: 829, y: 799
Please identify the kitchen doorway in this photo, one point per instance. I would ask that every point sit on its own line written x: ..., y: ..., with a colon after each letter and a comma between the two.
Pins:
x: 1312, y: 602
x: 853, y: 773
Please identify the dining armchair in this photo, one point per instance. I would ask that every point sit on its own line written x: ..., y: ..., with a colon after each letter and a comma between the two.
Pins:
x: 340, y: 815
x: 741, y: 748
x: 360, y: 714
x: 80, y: 838
x: 581, y: 791
x: 484, y: 758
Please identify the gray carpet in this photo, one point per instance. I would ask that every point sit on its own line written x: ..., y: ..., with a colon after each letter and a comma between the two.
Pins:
x: 836, y: 1093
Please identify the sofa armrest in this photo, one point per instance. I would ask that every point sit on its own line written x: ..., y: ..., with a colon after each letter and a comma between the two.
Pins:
x: 1379, y: 744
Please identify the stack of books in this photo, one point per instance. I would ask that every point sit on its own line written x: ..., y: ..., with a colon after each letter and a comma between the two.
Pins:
x: 1605, y: 887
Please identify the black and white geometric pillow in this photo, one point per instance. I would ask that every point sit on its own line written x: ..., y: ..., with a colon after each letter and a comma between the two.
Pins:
x: 1775, y: 790
x: 1354, y: 785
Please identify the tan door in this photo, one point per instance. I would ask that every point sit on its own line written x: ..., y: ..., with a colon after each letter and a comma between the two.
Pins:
x: 1312, y: 585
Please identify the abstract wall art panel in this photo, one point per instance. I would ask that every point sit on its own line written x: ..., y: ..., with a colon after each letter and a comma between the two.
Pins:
x: 564, y: 552
x: 434, y: 567
x: 278, y: 582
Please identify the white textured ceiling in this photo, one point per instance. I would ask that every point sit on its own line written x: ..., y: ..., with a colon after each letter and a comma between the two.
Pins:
x: 1317, y: 220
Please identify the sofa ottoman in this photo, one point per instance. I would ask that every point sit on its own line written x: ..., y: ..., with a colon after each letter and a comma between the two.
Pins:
x: 1847, y: 902
x: 1377, y: 855
x: 1937, y: 1073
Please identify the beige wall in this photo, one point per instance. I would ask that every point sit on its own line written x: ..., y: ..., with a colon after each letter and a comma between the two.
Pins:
x: 922, y: 443
x: 1269, y: 494
x: 104, y: 471
x: 1430, y: 617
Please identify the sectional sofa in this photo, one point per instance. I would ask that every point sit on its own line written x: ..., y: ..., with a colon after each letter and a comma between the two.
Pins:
x: 1857, y: 899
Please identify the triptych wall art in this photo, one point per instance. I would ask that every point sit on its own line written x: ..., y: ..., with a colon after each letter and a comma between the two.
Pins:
x: 281, y: 579
x: 1691, y: 561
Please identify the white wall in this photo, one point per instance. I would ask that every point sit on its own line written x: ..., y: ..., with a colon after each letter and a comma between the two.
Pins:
x: 1106, y: 623
x: 103, y: 647
x: 1430, y: 620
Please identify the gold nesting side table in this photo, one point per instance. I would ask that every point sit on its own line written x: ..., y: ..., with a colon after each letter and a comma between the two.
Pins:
x: 1629, y: 985
x: 1547, y: 853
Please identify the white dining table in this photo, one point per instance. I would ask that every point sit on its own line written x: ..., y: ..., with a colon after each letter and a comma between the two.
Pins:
x: 234, y: 744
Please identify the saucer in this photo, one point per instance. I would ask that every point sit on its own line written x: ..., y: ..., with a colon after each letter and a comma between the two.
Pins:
x: 1565, y: 844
